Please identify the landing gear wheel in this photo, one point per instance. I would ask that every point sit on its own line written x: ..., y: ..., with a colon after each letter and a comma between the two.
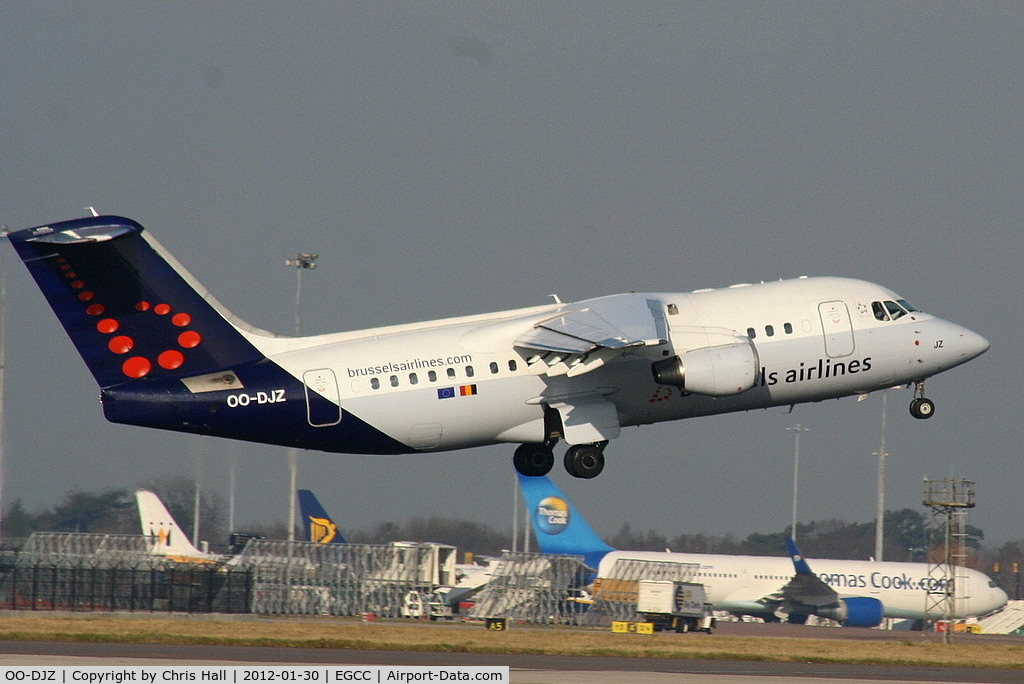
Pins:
x: 533, y: 460
x: 922, y: 408
x: 585, y: 461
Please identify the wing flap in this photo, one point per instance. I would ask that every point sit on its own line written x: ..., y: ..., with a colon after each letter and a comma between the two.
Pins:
x: 586, y: 335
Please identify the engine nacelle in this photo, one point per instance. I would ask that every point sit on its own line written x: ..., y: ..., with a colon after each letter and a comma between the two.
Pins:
x: 717, y: 371
x: 860, y: 611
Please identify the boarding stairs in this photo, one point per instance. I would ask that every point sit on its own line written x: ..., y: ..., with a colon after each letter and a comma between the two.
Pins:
x: 1007, y: 621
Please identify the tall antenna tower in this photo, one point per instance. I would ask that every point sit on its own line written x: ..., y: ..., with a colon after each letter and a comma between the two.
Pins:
x: 949, y: 501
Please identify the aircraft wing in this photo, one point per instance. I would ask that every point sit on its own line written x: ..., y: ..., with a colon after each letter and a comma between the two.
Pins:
x: 588, y: 334
x: 806, y: 588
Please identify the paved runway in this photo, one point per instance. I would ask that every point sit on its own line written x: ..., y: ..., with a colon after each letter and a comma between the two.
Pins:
x: 525, y: 669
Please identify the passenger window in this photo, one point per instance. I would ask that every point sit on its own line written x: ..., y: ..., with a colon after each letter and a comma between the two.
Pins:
x: 432, y: 376
x: 413, y: 379
x: 512, y: 366
x: 451, y: 373
x: 374, y: 383
x: 879, y: 311
x: 469, y: 371
x: 769, y: 331
x: 751, y: 333
x: 788, y: 327
x: 394, y: 381
x: 494, y: 368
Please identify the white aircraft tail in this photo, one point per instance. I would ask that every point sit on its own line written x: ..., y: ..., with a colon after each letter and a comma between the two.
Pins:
x: 166, y: 537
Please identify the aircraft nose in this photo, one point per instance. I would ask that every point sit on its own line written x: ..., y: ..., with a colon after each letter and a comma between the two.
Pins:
x: 971, y: 344
x: 999, y: 598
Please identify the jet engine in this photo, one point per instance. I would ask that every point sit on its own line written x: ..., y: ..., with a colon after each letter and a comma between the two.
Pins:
x: 861, y: 611
x: 717, y: 371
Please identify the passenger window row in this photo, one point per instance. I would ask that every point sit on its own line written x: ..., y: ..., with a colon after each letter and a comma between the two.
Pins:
x: 450, y: 373
x: 769, y: 330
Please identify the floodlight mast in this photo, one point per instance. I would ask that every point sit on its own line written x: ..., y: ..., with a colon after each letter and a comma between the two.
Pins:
x: 303, y: 261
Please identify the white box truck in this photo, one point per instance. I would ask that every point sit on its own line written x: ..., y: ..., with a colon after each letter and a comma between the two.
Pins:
x: 669, y: 604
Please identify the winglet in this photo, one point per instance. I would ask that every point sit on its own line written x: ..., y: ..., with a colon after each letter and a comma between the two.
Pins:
x: 802, y: 568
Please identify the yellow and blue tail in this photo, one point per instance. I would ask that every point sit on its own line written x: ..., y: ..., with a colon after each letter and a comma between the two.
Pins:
x: 317, y: 524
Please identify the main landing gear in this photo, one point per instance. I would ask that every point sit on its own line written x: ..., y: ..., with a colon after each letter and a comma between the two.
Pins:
x: 921, y: 407
x: 581, y: 460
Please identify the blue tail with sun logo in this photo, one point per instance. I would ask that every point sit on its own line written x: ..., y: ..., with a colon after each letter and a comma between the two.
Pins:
x: 558, y: 528
x: 131, y: 314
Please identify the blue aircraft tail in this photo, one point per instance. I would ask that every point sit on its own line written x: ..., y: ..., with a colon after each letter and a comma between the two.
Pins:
x: 559, y: 529
x: 130, y: 313
x: 799, y: 564
x: 318, y: 525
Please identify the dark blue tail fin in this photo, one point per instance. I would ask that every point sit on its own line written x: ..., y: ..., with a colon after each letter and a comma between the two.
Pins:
x: 559, y: 529
x: 318, y: 525
x: 129, y: 308
x: 799, y: 564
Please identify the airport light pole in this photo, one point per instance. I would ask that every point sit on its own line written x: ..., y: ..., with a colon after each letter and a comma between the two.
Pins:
x: 796, y: 430
x: 880, y: 501
x: 3, y: 354
x: 303, y: 261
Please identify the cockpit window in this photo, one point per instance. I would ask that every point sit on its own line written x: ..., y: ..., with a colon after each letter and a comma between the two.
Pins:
x: 906, y: 305
x: 890, y: 311
x: 895, y: 310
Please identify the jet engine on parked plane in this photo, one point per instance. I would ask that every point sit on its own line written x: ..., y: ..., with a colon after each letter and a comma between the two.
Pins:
x: 718, y: 370
x: 859, y: 611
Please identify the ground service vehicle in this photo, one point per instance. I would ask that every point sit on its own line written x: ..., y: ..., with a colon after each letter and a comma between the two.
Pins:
x: 682, y: 606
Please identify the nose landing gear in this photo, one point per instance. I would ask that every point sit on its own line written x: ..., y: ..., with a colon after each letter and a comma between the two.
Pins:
x: 921, y: 407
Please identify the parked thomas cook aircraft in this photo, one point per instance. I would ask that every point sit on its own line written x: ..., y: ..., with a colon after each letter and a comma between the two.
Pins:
x: 166, y: 354
x: 854, y: 593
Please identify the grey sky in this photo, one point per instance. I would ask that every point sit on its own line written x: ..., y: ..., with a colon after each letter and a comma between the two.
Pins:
x: 453, y: 158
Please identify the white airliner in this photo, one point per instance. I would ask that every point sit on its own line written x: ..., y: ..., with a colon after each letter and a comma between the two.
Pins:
x: 166, y: 354
x: 853, y: 593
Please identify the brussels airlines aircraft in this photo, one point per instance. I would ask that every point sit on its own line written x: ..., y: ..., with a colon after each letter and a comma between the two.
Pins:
x: 166, y: 354
x: 854, y: 593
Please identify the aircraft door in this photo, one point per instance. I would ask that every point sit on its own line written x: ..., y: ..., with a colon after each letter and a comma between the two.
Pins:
x: 323, y: 402
x: 837, y: 328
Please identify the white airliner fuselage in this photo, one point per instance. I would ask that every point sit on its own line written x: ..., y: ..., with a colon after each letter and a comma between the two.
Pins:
x: 166, y: 354
x: 743, y: 585
x: 386, y: 373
